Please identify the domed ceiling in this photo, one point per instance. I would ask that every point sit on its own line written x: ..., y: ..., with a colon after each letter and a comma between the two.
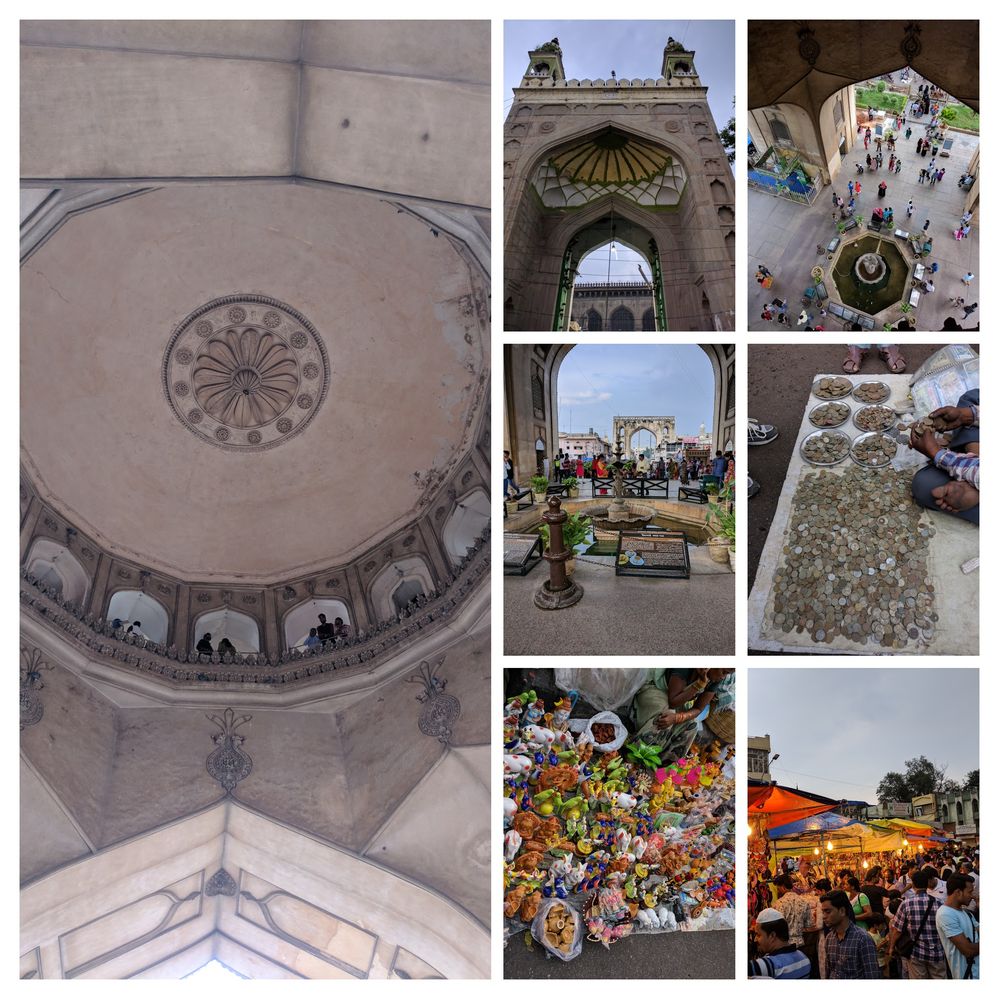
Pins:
x: 242, y: 380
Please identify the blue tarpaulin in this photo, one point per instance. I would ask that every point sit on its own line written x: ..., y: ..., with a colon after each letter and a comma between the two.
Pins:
x: 822, y: 823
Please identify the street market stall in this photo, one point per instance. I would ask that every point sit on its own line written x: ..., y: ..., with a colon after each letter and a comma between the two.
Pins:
x: 606, y: 835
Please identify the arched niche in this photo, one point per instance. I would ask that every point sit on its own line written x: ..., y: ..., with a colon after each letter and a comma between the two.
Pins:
x: 239, y: 628
x: 134, y: 605
x: 622, y: 320
x: 391, y: 583
x: 56, y: 566
x: 467, y: 522
x: 305, y: 615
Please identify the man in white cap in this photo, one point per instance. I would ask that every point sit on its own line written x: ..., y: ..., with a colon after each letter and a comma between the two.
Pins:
x: 781, y: 959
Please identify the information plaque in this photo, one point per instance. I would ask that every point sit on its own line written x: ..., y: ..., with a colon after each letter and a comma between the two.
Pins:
x: 521, y: 553
x: 653, y: 553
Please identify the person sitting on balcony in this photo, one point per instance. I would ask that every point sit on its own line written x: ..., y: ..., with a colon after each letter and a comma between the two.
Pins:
x: 312, y: 642
x: 226, y: 648
x: 340, y: 630
x: 205, y: 645
x: 135, y: 628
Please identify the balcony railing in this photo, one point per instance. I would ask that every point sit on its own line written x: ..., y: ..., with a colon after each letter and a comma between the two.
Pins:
x: 424, y: 614
x: 783, y: 177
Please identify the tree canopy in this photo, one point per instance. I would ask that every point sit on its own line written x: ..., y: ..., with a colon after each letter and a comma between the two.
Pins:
x: 922, y: 776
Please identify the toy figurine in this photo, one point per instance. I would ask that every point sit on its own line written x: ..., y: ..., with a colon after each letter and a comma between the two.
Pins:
x: 512, y: 842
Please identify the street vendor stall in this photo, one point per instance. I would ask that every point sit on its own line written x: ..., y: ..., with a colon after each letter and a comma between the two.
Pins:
x: 605, y: 835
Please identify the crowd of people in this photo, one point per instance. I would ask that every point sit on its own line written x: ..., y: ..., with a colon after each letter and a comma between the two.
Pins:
x: 908, y: 919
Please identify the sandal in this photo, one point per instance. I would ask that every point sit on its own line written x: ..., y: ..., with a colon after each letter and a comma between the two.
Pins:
x: 854, y: 360
x: 893, y: 358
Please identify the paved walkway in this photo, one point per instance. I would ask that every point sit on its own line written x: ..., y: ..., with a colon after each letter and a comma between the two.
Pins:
x: 783, y: 235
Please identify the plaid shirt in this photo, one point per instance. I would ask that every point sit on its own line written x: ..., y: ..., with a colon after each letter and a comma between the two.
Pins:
x: 910, y: 915
x: 855, y: 956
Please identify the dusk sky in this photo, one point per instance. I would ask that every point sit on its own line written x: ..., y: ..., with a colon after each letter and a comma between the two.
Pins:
x: 598, y: 382
x: 839, y: 731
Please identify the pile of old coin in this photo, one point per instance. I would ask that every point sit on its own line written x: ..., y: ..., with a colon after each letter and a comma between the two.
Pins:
x: 854, y: 562
x: 874, y: 418
x: 874, y: 450
x: 830, y: 414
x: 922, y: 425
x: 832, y: 388
x: 872, y: 392
x: 826, y: 448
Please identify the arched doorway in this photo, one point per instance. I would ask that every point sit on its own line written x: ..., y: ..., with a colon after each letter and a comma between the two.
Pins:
x: 240, y: 629
x: 57, y: 567
x: 134, y: 605
x: 304, y: 616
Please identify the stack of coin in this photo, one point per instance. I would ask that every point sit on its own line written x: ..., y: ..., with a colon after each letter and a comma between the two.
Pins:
x: 830, y: 414
x: 825, y: 448
x: 832, y: 388
x: 872, y: 392
x: 874, y: 418
x: 873, y: 450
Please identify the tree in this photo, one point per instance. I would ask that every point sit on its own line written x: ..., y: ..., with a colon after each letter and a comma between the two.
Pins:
x: 727, y: 137
x: 971, y: 781
x: 923, y: 776
x: 893, y: 788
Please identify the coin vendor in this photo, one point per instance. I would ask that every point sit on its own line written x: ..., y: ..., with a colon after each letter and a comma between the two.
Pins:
x: 950, y: 482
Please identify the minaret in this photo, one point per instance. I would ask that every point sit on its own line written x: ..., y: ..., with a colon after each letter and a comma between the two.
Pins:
x: 678, y: 63
x: 546, y: 62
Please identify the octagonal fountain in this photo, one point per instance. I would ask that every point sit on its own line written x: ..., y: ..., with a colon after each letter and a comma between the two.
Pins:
x: 871, y: 274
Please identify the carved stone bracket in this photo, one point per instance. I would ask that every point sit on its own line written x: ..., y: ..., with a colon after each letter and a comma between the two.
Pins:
x: 32, y: 666
x: 221, y: 883
x: 440, y: 710
x: 227, y: 763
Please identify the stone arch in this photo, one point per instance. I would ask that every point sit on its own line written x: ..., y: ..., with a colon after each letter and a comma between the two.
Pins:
x: 719, y: 192
x: 305, y: 615
x: 730, y: 244
x: 726, y: 216
x: 648, y: 321
x: 56, y: 566
x: 241, y: 629
x: 467, y: 521
x: 622, y: 320
x: 706, y: 145
x: 393, y: 578
x: 699, y: 128
x: 594, y: 321
x: 134, y: 605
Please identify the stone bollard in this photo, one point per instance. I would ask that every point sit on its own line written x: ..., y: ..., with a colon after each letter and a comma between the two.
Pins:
x: 558, y: 591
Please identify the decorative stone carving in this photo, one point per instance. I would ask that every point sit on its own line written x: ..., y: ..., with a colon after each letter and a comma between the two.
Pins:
x: 333, y: 583
x: 249, y: 598
x: 221, y: 883
x: 547, y: 126
x: 467, y: 477
x: 87, y: 553
x: 227, y: 763
x: 672, y: 125
x: 203, y: 597
x: 244, y: 359
x: 408, y: 541
x: 51, y: 524
x: 32, y: 666
x: 164, y: 589
x: 440, y: 710
x: 808, y: 47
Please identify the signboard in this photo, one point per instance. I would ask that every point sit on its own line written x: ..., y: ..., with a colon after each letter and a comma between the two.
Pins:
x: 653, y: 553
x: 899, y: 809
x: 967, y: 830
x: 521, y: 553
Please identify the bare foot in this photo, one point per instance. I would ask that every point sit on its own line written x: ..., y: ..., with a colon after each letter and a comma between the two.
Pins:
x: 854, y: 359
x: 956, y: 496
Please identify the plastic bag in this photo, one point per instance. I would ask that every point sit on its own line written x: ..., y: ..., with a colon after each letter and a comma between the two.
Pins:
x: 603, y: 688
x: 540, y: 931
x: 585, y: 727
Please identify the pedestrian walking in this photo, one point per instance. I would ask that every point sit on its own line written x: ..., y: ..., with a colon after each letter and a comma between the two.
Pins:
x: 932, y: 166
x: 856, y: 189
x: 849, y: 187
x: 898, y: 167
x: 922, y: 175
x: 940, y: 174
x: 967, y: 279
x: 908, y: 133
x: 908, y: 211
x: 869, y: 161
x: 933, y: 177
x: 891, y: 163
x: 882, y: 189
x: 968, y: 309
x: 919, y: 147
x: 926, y: 225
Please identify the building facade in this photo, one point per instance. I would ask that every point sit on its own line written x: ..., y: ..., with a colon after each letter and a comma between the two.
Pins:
x: 620, y: 307
x: 636, y: 161
x: 758, y: 758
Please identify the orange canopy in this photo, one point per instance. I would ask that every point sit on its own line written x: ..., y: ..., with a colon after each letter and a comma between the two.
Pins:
x: 781, y: 805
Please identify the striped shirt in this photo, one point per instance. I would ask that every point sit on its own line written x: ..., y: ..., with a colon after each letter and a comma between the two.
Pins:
x: 786, y: 963
x: 963, y: 467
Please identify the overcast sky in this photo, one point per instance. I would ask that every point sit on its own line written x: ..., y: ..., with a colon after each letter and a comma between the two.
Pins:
x: 598, y: 382
x: 849, y: 727
x: 634, y: 49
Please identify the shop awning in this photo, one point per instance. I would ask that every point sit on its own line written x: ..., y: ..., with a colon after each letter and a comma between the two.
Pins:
x: 824, y: 822
x: 782, y: 805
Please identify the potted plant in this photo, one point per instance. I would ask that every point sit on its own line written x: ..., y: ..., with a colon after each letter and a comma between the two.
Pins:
x: 711, y: 489
x: 577, y: 531
x: 539, y: 484
x: 571, y: 484
x: 721, y: 517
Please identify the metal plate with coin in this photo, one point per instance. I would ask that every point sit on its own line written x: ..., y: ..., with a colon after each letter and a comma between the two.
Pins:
x: 825, y: 447
x: 872, y: 418
x: 829, y: 414
x: 832, y: 387
x: 872, y: 393
x: 873, y: 450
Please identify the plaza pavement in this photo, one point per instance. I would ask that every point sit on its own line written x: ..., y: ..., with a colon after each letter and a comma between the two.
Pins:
x: 783, y: 235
